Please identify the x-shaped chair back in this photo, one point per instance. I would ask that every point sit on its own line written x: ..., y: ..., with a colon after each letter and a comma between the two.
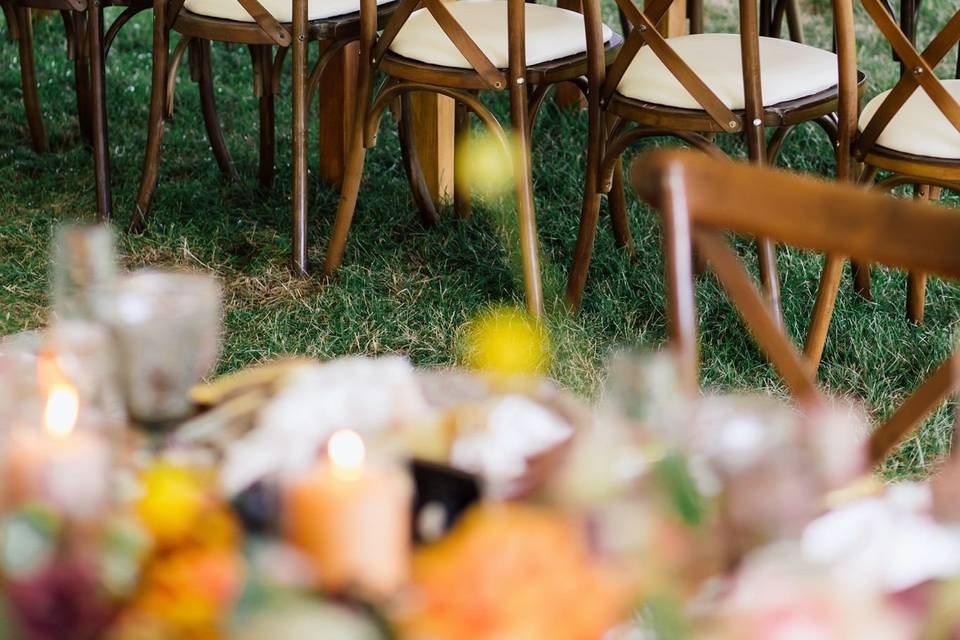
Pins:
x: 700, y: 198
x: 919, y: 73
x: 265, y: 20
x: 643, y: 31
x: 494, y: 78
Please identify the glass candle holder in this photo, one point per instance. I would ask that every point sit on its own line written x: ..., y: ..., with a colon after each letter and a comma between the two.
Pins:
x: 84, y: 271
x: 644, y: 391
x: 166, y: 330
x: 82, y: 352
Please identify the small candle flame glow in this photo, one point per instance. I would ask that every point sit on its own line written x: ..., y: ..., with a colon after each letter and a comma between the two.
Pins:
x: 347, y: 453
x: 61, y: 410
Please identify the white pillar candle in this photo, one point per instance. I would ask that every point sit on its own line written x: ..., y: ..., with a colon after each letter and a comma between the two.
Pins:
x: 57, y: 464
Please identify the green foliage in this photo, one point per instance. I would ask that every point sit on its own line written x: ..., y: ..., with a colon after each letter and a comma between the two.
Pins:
x: 673, y: 475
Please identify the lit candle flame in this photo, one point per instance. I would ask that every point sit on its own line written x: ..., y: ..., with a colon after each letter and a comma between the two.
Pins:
x: 60, y: 412
x: 347, y: 453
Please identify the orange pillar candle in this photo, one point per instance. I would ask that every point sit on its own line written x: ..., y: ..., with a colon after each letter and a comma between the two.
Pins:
x: 352, y: 519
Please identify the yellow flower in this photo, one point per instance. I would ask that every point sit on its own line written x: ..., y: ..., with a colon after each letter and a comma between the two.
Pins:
x: 507, y: 342
x: 172, y: 501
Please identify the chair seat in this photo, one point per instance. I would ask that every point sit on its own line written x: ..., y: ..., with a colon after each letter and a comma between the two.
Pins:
x: 551, y: 34
x: 919, y: 128
x: 282, y: 10
x: 788, y: 71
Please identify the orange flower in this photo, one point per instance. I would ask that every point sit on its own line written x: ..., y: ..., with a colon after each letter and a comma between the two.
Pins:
x: 191, y: 590
x: 512, y: 572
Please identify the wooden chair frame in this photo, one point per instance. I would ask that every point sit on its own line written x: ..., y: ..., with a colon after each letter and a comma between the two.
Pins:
x: 835, y: 111
x: 88, y: 43
x: 773, y: 13
x: 260, y: 36
x: 527, y: 87
x: 920, y: 75
x: 700, y: 199
x: 927, y: 175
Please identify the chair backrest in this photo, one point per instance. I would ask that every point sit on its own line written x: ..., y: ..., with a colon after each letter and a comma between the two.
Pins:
x: 700, y: 198
x: 493, y: 77
x: 918, y: 73
x: 264, y: 20
x: 643, y: 32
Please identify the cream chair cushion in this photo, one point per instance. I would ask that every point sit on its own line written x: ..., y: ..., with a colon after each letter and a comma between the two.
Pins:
x: 282, y: 10
x: 788, y: 71
x: 551, y: 34
x: 919, y: 128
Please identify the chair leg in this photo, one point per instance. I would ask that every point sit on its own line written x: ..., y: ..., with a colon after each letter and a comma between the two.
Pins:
x: 917, y: 281
x: 268, y: 125
x: 916, y: 296
x: 695, y: 11
x: 794, y: 24
x: 158, y: 88
x: 299, y: 195
x: 861, y: 279
x: 208, y: 107
x: 98, y: 111
x: 769, y: 276
x: 353, y: 171
x: 349, y: 192
x: 77, y: 23
x: 755, y: 138
x: 526, y: 210
x: 586, y: 235
x: 861, y: 270
x: 526, y: 217
x: 462, y: 197
x: 13, y: 31
x: 590, y: 209
x: 766, y: 18
x: 619, y: 216
x: 28, y: 78
x: 411, y: 164
x: 823, y: 309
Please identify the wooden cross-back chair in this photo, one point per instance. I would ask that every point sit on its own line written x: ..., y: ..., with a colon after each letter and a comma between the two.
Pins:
x: 700, y: 199
x: 693, y: 87
x: 459, y: 49
x: 88, y: 43
x: 773, y: 15
x: 913, y: 129
x: 288, y: 24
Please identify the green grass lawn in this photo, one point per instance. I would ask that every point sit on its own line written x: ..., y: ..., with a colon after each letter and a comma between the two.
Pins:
x: 405, y: 288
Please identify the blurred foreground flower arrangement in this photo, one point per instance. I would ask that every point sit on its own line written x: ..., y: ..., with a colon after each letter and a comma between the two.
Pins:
x: 363, y: 498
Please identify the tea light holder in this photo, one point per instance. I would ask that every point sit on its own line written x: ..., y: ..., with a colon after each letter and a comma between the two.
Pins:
x: 84, y: 271
x: 166, y: 330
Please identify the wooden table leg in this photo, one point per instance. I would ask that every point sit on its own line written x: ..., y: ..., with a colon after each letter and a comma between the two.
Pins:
x: 433, y: 127
x: 434, y: 118
x: 335, y: 114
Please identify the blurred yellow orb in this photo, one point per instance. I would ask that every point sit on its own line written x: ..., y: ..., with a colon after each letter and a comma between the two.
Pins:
x: 484, y: 166
x: 508, y: 342
x: 172, y: 500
